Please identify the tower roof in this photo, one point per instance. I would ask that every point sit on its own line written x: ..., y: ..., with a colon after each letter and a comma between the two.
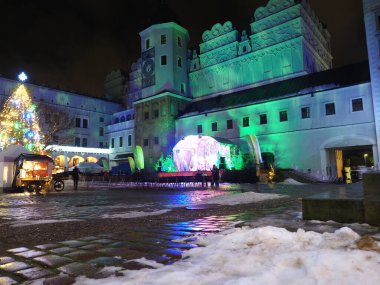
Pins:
x: 163, y: 14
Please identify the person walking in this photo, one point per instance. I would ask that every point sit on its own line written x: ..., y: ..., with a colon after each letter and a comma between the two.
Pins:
x: 75, y: 175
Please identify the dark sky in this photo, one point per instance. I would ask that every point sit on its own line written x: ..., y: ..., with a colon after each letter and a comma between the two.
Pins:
x: 74, y: 44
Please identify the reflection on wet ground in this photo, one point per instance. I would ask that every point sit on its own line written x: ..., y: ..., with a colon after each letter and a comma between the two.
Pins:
x: 96, y: 203
x: 88, y: 255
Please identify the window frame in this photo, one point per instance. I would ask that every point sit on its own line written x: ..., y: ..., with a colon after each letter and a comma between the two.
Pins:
x: 326, y: 110
x: 214, y: 126
x: 245, y: 122
x: 199, y: 129
x: 229, y: 124
x: 308, y: 113
x: 282, y: 117
x: 261, y: 119
x: 352, y: 104
x: 163, y: 39
x: 164, y: 60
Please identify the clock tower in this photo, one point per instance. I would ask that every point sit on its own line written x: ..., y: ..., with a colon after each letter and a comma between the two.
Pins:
x: 164, y: 84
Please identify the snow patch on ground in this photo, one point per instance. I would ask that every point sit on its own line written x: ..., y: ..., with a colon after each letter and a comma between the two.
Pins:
x: 39, y: 222
x: 290, y: 181
x: 266, y: 255
x: 135, y: 214
x: 241, y: 198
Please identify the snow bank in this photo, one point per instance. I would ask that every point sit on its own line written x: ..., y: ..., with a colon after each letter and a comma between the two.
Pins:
x: 39, y: 222
x: 135, y: 214
x: 266, y: 255
x: 241, y: 198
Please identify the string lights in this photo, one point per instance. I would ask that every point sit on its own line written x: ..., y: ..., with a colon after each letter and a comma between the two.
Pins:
x: 19, y: 121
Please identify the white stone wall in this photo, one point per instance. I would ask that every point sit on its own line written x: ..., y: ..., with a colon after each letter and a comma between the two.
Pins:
x: 371, y: 17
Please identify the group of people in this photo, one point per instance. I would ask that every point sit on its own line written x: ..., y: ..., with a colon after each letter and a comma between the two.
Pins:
x: 215, y: 176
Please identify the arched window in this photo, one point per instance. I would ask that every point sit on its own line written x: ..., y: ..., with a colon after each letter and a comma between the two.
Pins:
x: 122, y: 119
x: 116, y: 120
x: 128, y: 117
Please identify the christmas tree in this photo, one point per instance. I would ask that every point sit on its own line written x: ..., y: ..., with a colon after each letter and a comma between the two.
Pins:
x: 19, y: 121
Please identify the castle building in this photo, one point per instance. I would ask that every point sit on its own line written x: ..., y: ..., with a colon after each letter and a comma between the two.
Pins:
x: 274, y: 83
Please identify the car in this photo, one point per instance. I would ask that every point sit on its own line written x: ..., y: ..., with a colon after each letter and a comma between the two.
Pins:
x: 88, y: 168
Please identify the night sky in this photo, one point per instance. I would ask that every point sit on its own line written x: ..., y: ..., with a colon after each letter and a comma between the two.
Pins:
x: 74, y: 44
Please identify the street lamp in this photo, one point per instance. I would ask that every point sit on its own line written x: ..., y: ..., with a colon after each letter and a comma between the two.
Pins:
x: 365, y: 159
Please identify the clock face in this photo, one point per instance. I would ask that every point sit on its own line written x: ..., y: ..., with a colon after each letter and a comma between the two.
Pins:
x: 148, y: 68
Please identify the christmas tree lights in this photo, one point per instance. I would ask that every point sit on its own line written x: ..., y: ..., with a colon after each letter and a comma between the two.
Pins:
x: 19, y: 122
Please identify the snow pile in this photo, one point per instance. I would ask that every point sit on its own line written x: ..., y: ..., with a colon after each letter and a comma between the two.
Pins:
x: 290, y: 181
x: 134, y: 214
x: 241, y: 198
x: 40, y: 222
x: 266, y: 255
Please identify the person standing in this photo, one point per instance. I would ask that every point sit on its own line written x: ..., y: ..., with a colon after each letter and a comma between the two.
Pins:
x: 215, y: 176
x: 75, y: 175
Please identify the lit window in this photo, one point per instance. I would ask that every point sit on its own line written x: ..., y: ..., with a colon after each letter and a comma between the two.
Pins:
x: 229, y: 124
x: 84, y: 142
x: 85, y: 123
x: 146, y: 142
x: 179, y: 41
x: 120, y: 141
x: 330, y: 109
x: 246, y: 122
x: 305, y: 112
x: 77, y: 122
x: 129, y: 140
x: 214, y: 127
x: 263, y: 119
x: 179, y: 62
x: 357, y: 105
x: 156, y: 140
x: 163, y: 60
x: 283, y: 116
x: 163, y: 39
x: 199, y: 129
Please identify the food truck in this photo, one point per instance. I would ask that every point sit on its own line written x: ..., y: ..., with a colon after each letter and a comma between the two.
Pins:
x: 33, y: 172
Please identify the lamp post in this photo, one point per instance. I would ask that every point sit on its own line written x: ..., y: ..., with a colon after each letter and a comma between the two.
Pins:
x: 365, y: 159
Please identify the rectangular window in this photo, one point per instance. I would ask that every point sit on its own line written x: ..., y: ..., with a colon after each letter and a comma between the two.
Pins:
x: 214, y: 127
x: 263, y: 119
x: 120, y: 141
x: 246, y: 122
x: 283, y: 116
x: 112, y: 143
x: 357, y: 105
x: 163, y: 39
x: 129, y: 140
x: 77, y: 122
x: 147, y: 44
x: 183, y: 88
x: 199, y: 129
x: 101, y: 131
x: 146, y: 142
x: 330, y: 109
x: 378, y: 22
x: 163, y: 60
x: 179, y: 41
x: 77, y: 141
x: 156, y: 140
x: 305, y: 112
x: 84, y: 142
x: 229, y: 124
x: 156, y: 113
x: 146, y: 116
x: 101, y: 119
x: 101, y: 145
x: 85, y: 123
x: 179, y: 62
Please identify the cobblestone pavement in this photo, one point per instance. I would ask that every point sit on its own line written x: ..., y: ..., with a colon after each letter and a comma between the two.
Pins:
x: 59, y: 263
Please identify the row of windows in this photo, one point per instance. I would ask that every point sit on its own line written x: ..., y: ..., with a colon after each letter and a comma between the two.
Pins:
x: 357, y: 105
x: 82, y: 142
x: 129, y: 142
x: 149, y: 44
x: 156, y: 141
x: 164, y: 60
x: 124, y: 118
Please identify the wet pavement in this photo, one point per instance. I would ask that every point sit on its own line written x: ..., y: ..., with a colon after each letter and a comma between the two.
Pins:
x: 60, y: 261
